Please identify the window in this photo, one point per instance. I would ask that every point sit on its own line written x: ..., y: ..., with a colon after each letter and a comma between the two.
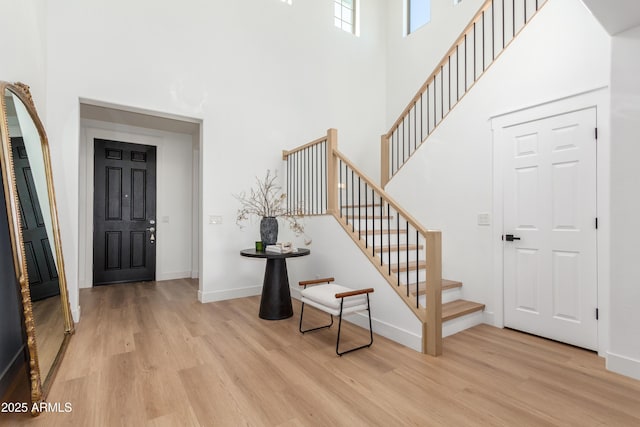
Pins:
x: 344, y: 12
x: 418, y: 14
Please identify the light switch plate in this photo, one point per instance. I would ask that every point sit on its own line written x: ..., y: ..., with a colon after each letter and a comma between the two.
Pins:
x: 484, y: 219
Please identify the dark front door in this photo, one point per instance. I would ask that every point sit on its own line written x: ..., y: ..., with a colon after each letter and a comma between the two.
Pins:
x: 41, y: 267
x: 124, y: 212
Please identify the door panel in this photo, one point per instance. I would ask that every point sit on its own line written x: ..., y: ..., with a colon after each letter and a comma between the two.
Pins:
x: 113, y: 197
x: 527, y: 181
x: 565, y: 195
x: 41, y: 267
x: 565, y: 283
x: 124, y: 212
x: 550, y: 283
x: 527, y: 294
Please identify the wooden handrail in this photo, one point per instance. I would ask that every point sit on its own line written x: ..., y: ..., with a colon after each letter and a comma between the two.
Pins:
x: 443, y: 62
x: 331, y: 138
x: 401, y: 211
x: 454, y: 60
x: 315, y: 190
x: 287, y: 153
x: 431, y: 316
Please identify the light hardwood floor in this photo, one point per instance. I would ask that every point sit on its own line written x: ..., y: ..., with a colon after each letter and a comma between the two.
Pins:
x: 149, y: 354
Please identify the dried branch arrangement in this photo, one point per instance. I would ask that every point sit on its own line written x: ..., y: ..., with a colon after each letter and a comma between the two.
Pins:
x: 268, y: 200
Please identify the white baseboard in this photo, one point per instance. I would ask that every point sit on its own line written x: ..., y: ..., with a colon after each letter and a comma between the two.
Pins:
x: 623, y: 365
x: 459, y: 324
x: 490, y: 319
x: 173, y: 276
x: 401, y: 336
x: 195, y: 274
x: 225, y: 294
x: 295, y: 293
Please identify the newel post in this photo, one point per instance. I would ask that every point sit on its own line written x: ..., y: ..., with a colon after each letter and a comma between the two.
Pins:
x: 384, y: 160
x: 332, y: 171
x: 432, y: 336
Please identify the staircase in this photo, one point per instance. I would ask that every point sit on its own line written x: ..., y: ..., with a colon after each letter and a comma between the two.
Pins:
x: 391, y: 246
x: 492, y: 29
x: 322, y: 181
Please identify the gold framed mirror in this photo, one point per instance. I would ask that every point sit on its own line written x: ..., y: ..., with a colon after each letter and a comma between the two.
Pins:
x: 35, y: 236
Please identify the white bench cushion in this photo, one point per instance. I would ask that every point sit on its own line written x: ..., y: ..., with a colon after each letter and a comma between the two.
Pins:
x: 324, y: 298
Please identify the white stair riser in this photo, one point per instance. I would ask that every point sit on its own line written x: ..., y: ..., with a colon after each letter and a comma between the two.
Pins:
x: 461, y: 323
x: 448, y: 295
x: 421, y: 276
x: 396, y: 257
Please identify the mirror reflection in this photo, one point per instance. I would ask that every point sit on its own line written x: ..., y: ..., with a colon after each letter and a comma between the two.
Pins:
x: 37, y: 231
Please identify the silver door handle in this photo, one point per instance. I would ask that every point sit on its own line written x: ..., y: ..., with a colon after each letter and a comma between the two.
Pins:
x: 152, y: 237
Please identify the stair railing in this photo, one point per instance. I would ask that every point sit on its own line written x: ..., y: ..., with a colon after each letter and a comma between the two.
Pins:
x: 309, y: 171
x: 321, y: 180
x: 490, y: 31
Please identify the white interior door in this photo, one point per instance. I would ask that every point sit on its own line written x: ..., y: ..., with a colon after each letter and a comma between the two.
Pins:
x: 550, y: 273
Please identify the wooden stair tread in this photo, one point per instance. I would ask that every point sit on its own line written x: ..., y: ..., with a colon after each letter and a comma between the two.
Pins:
x: 458, y: 308
x: 395, y: 248
x: 411, y: 266
x: 446, y: 285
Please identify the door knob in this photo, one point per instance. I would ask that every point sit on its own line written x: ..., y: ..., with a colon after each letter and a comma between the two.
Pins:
x: 510, y: 237
x: 152, y: 237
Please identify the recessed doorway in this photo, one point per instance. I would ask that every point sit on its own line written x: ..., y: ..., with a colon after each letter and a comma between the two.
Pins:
x: 177, y: 241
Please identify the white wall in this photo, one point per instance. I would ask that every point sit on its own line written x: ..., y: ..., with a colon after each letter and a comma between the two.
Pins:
x: 174, y: 201
x: 624, y: 350
x: 23, y: 51
x: 411, y: 59
x: 453, y: 170
x: 261, y: 75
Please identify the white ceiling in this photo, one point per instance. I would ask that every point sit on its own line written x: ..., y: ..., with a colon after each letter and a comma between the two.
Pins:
x: 615, y: 16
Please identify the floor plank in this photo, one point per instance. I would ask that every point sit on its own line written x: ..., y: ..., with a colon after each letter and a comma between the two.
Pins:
x: 151, y: 354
